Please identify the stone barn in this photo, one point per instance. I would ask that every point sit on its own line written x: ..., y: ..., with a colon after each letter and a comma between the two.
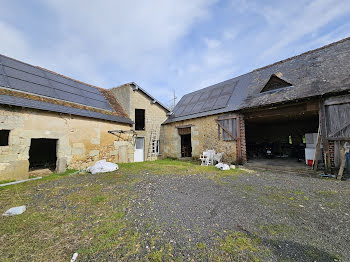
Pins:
x: 148, y: 114
x: 274, y: 112
x: 51, y: 121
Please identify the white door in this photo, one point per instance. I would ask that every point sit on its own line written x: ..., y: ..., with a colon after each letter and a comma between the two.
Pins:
x: 139, y: 149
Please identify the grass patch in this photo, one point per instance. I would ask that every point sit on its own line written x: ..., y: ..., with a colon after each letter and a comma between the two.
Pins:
x: 97, y: 199
x: 241, y: 247
x: 327, y: 193
x: 276, y: 229
x: 6, y: 181
x: 171, y: 166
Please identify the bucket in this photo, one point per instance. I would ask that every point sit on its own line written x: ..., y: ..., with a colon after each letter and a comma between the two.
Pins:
x: 310, y: 162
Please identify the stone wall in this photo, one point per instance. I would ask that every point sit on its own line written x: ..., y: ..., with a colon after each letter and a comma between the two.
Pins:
x: 81, y: 141
x: 204, y: 136
x: 155, y: 115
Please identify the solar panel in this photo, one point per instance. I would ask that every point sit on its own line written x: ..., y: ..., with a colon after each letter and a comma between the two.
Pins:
x: 216, y: 92
x: 31, y: 87
x: 187, y: 99
x: 195, y: 98
x: 228, y: 89
x: 197, y: 108
x: 221, y: 101
x: 14, y: 73
x: 205, y: 100
x: 3, y: 82
x: 21, y: 66
x: 30, y: 79
x: 209, y: 104
x: 205, y: 95
x: 188, y: 109
x: 28, y: 103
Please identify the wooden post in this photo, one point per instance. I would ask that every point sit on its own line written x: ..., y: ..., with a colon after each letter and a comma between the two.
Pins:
x: 342, y: 161
x: 322, y: 115
x: 318, y: 148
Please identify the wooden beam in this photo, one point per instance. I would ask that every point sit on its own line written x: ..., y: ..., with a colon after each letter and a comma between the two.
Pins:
x: 339, y: 130
x: 337, y: 100
x: 234, y: 138
x: 318, y: 148
x: 324, y: 135
x: 338, y: 138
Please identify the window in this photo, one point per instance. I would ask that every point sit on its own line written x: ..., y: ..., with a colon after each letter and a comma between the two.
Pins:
x: 139, y: 119
x: 4, y: 137
x: 155, y: 147
x: 275, y: 83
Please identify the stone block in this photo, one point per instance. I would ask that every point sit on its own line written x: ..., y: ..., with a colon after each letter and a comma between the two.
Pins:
x: 94, y: 152
x: 78, y: 149
x: 61, y: 165
x: 14, y: 170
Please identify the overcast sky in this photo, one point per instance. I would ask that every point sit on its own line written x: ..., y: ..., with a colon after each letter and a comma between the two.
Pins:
x: 165, y: 45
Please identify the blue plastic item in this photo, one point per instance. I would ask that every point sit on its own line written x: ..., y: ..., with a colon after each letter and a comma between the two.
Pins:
x: 347, y: 156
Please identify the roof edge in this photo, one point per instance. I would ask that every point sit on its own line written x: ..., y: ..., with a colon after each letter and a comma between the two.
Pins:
x: 137, y: 87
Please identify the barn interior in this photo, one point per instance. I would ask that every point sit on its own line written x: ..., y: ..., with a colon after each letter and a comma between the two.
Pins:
x: 276, y: 136
x: 42, y: 154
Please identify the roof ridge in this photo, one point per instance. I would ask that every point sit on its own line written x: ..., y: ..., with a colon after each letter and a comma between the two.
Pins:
x: 303, y: 54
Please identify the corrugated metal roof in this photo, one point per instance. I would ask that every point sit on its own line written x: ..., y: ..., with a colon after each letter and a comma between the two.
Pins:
x: 314, y: 73
x: 28, y: 103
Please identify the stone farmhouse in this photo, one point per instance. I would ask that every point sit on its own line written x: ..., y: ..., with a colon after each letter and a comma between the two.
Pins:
x: 51, y: 121
x: 48, y: 120
x: 273, y: 106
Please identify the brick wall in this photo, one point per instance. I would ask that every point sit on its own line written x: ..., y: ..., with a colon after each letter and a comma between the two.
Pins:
x: 243, y: 140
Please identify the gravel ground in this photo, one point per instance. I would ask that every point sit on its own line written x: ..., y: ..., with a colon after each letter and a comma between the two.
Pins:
x: 297, y: 218
x: 135, y: 214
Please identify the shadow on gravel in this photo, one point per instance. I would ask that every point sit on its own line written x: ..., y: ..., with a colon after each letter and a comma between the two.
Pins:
x: 290, y: 250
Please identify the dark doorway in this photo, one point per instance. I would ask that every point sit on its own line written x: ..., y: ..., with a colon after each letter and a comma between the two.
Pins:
x: 42, y: 153
x: 186, y: 146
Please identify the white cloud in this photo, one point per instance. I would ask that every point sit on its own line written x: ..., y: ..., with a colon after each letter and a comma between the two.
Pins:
x: 167, y: 44
x: 292, y: 25
x: 12, y: 39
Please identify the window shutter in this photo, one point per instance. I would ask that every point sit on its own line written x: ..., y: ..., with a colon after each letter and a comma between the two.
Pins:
x: 229, y: 128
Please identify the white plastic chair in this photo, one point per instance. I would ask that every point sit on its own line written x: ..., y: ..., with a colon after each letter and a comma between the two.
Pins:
x: 204, y: 158
x: 211, y: 154
x: 218, y: 157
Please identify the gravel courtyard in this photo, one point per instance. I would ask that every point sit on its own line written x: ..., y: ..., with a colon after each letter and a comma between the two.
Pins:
x: 177, y: 211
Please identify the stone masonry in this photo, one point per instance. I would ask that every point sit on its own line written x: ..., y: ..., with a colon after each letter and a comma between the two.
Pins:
x: 81, y: 141
x: 155, y: 115
x: 204, y: 136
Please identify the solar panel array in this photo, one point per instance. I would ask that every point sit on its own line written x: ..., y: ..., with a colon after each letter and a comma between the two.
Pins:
x: 23, y: 102
x: 205, y: 100
x: 23, y: 77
